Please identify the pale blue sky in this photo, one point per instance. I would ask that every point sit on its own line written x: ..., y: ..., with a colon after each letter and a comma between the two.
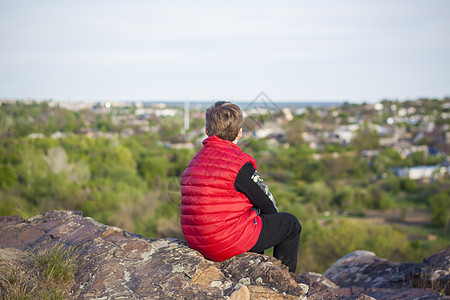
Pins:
x: 358, y: 50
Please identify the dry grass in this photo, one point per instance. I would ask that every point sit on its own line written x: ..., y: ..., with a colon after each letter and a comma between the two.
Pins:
x: 43, y: 275
x: 15, y: 283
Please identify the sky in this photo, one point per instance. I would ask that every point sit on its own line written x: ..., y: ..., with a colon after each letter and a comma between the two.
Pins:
x: 302, y: 50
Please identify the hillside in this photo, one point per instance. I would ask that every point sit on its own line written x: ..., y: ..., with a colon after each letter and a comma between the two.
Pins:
x: 122, y: 165
x: 110, y: 263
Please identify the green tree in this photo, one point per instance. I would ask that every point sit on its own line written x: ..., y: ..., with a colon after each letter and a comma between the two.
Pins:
x: 440, y: 209
x: 385, y: 160
x: 121, y: 156
x: 5, y: 123
x: 178, y: 161
x: 294, y: 132
x: 32, y: 166
x: 319, y: 194
x: 409, y: 185
x: 308, y: 169
x: 153, y: 168
x: 380, y: 199
x: 366, y: 138
x: 344, y: 197
x: 7, y: 176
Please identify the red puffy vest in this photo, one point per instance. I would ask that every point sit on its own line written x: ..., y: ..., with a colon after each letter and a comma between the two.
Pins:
x: 217, y: 220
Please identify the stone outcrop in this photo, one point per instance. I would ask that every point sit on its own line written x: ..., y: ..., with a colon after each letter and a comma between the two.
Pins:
x: 116, y: 264
x: 377, y: 276
x: 365, y: 269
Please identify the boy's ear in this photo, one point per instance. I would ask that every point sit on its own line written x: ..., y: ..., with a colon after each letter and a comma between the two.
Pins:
x: 239, y: 133
x: 206, y: 131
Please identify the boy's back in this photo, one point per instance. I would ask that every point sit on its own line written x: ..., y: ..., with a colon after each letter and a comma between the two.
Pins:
x: 226, y: 209
x: 217, y: 220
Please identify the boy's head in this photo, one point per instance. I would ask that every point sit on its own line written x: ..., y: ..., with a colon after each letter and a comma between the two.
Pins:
x: 224, y: 119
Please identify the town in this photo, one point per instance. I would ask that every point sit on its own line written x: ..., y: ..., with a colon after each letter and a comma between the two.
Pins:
x: 419, y: 126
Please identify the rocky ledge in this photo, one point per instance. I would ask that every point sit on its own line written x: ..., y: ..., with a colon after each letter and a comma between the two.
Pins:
x: 116, y: 264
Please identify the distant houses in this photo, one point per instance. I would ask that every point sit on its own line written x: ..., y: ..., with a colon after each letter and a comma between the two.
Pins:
x: 346, y: 133
x: 408, y: 128
x: 422, y: 172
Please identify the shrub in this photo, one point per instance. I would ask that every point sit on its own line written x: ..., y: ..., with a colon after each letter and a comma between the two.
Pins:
x: 321, y: 245
x: 409, y: 185
x: 319, y: 194
x: 380, y: 199
x: 440, y: 209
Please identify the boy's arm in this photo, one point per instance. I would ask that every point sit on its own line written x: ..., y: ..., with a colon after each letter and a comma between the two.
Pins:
x: 252, y: 185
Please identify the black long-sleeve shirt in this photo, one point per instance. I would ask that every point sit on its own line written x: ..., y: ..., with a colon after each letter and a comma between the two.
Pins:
x: 252, y: 185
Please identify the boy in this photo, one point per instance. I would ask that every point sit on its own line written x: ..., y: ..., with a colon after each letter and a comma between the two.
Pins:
x: 226, y: 209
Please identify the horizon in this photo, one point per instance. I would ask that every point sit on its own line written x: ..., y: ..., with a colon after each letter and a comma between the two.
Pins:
x: 181, y: 101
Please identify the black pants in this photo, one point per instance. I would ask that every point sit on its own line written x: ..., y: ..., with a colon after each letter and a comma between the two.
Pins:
x: 281, y: 231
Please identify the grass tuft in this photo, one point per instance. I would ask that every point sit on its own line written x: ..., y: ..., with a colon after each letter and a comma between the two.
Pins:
x: 45, y: 274
x: 57, y: 264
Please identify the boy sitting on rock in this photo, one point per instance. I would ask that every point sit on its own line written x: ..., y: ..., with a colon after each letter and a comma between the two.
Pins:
x: 226, y: 209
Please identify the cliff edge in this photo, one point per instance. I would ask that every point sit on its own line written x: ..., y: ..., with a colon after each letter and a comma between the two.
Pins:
x: 115, y: 264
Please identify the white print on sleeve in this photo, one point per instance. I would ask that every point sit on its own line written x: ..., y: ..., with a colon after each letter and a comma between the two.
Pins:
x: 260, y: 182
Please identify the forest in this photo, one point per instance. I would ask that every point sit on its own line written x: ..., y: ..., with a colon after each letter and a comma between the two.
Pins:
x: 127, y: 175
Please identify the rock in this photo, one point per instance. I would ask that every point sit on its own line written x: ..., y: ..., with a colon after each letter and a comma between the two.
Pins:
x: 322, y: 288
x: 263, y: 275
x: 365, y: 269
x: 379, y: 277
x: 10, y: 220
x: 117, y: 264
x: 434, y: 272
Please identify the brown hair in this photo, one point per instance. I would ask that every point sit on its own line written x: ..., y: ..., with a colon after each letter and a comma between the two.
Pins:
x: 224, y: 119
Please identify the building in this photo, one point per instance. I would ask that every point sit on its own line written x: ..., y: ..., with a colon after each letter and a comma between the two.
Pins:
x: 421, y: 172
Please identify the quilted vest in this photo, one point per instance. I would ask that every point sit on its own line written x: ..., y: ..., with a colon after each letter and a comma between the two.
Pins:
x: 215, y: 219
